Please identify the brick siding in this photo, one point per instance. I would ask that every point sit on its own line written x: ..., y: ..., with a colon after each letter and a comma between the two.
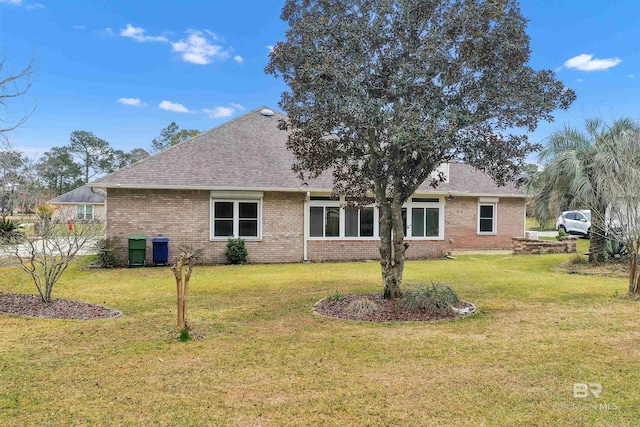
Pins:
x: 184, y: 217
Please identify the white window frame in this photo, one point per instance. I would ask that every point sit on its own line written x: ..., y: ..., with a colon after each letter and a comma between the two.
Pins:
x: 83, y: 208
x: 494, y: 224
x: 440, y: 205
x: 236, y: 198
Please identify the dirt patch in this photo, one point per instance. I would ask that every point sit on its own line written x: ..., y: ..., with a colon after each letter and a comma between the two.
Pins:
x: 387, y: 312
x: 33, y: 306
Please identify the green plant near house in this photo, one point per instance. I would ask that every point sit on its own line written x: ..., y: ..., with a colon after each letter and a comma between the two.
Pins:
x: 10, y: 231
x: 108, y: 249
x: 561, y: 234
x: 436, y: 298
x: 236, y: 252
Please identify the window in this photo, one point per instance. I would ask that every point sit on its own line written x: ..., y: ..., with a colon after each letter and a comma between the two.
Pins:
x: 84, y: 212
x: 422, y: 217
x: 487, y: 218
x: 324, y: 221
x: 235, y: 218
x: 358, y: 222
x: 425, y: 222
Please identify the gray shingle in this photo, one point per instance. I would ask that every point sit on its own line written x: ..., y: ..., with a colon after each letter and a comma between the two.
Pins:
x: 249, y: 152
x: 81, y: 195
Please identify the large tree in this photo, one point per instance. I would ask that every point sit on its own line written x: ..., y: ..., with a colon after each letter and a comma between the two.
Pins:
x: 58, y: 172
x: 572, y: 159
x: 12, y: 165
x: 381, y: 92
x: 94, y: 154
x: 170, y: 136
x: 13, y: 85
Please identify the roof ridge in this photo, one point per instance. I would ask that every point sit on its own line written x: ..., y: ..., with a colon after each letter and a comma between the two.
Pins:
x: 202, y: 134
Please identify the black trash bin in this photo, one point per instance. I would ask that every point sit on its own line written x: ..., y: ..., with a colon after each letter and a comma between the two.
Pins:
x: 160, y: 250
x: 137, y: 249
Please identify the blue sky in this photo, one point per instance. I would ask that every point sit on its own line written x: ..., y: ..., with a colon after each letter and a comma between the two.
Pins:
x: 125, y: 69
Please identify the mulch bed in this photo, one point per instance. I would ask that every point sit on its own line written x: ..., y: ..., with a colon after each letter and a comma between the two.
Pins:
x: 33, y: 306
x: 388, y: 311
x: 611, y: 269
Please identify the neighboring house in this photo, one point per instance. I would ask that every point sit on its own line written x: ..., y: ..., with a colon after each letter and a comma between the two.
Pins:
x: 236, y: 180
x: 84, y: 204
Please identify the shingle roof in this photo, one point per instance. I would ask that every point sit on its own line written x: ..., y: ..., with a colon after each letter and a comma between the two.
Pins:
x: 249, y: 153
x: 81, y: 195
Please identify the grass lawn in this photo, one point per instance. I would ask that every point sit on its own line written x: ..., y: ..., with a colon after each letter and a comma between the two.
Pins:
x: 534, y: 225
x: 264, y: 359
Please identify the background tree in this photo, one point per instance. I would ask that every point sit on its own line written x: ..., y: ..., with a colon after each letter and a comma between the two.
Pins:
x: 46, y: 253
x: 571, y: 160
x: 12, y: 164
x: 170, y: 136
x: 58, y: 172
x: 13, y: 84
x: 94, y: 154
x: 381, y: 92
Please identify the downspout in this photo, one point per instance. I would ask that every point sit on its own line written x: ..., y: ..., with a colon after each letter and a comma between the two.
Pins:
x: 306, y: 226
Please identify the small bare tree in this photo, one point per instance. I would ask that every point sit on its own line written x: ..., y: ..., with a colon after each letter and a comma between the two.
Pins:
x: 47, y: 251
x: 182, y: 268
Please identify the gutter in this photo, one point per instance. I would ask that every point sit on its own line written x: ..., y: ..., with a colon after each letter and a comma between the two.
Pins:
x: 305, y: 227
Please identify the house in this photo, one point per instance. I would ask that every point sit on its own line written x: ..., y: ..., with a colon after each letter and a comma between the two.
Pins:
x: 236, y: 180
x: 83, y: 203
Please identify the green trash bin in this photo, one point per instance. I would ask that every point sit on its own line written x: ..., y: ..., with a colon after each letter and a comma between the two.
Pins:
x: 137, y: 249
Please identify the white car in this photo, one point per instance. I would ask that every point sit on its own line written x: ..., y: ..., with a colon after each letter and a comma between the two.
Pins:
x: 575, y: 222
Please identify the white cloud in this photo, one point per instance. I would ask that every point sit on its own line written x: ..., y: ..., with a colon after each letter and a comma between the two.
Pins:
x: 579, y: 80
x: 631, y: 76
x: 82, y: 27
x: 134, y: 102
x: 222, y: 112
x: 197, y: 49
x: 36, y: 6
x: 239, y: 59
x: 270, y: 48
x: 171, y: 106
x: 15, y: 2
x: 586, y: 62
x: 138, y: 34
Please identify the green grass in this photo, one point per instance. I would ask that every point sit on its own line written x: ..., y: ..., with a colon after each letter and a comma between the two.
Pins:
x: 534, y: 225
x: 264, y: 359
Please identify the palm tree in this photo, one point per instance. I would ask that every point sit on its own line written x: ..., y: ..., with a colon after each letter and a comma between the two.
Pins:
x: 569, y: 179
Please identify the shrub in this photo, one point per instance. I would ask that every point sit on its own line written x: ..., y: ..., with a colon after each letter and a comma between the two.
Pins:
x: 615, y: 249
x: 561, y: 234
x: 578, y: 259
x: 108, y: 249
x: 363, y: 307
x: 236, y: 252
x: 436, y: 298
x: 9, y: 231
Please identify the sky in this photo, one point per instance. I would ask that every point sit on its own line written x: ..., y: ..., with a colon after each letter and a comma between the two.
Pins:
x: 124, y: 70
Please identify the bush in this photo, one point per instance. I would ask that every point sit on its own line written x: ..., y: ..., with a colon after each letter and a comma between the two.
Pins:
x: 435, y: 299
x: 561, y: 234
x: 236, y: 252
x: 362, y: 307
x: 615, y: 249
x: 9, y: 231
x: 108, y: 249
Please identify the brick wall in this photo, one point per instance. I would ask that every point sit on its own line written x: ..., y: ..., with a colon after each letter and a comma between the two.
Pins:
x: 522, y: 246
x: 461, y: 224
x: 183, y: 217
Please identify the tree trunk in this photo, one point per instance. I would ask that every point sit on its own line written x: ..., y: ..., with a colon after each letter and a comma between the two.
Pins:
x: 598, y: 239
x: 392, y: 247
x: 177, y: 271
